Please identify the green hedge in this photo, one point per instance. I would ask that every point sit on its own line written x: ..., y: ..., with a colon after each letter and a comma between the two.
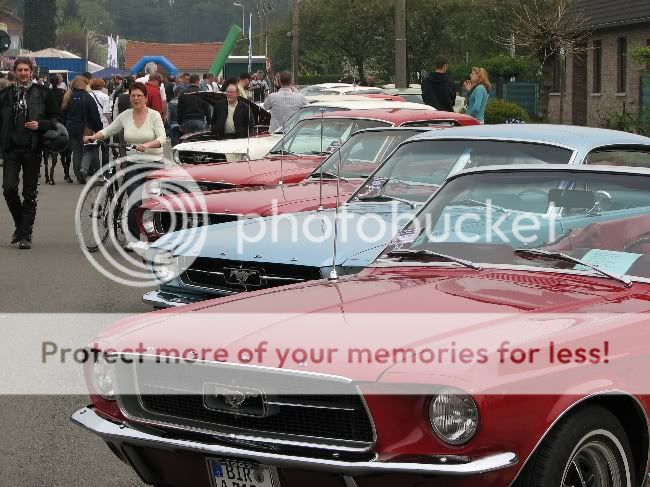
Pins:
x: 317, y: 79
x: 500, y: 111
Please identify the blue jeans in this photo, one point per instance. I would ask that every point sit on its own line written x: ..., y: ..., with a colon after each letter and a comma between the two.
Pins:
x: 191, y: 126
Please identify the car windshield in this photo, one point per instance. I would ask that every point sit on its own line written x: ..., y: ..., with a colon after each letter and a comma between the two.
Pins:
x: 418, y: 168
x: 307, y: 112
x: 316, y: 136
x: 550, y: 219
x: 362, y: 153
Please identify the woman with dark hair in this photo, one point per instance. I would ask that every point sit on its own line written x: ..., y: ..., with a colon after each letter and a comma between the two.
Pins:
x: 144, y: 128
x: 81, y: 117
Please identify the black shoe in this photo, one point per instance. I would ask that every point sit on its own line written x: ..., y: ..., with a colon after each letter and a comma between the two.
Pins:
x: 68, y: 179
x: 16, y: 237
x: 25, y: 243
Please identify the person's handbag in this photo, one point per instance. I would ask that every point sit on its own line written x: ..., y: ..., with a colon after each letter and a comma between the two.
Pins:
x: 87, y: 131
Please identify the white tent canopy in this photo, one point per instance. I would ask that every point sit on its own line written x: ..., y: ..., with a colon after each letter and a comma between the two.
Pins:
x: 58, y: 53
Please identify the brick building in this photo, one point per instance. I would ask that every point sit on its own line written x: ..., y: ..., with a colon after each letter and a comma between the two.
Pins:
x: 14, y: 28
x: 192, y: 58
x: 602, y: 80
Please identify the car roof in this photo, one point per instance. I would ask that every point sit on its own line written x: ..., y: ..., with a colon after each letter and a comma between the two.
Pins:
x: 396, y: 115
x: 362, y: 103
x: 393, y: 129
x: 566, y: 135
x: 405, y: 91
x: 625, y: 170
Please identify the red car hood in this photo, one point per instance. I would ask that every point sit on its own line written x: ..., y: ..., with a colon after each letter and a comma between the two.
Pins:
x: 258, y: 200
x: 258, y: 172
x: 459, y: 308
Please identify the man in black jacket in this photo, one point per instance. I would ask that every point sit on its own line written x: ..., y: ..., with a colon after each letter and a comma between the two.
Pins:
x: 27, y: 110
x: 232, y: 117
x: 193, y: 112
x: 438, y: 89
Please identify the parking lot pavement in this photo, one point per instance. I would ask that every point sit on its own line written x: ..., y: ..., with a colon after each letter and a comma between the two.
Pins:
x: 38, y: 444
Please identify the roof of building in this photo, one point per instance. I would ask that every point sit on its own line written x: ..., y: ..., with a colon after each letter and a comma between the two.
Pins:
x: 186, y: 57
x: 14, y: 17
x: 608, y: 14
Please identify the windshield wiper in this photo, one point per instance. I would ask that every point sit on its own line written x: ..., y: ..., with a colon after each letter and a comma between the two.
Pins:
x: 283, y: 153
x: 328, y: 175
x: 481, y: 203
x: 544, y: 254
x: 383, y: 197
x: 428, y: 253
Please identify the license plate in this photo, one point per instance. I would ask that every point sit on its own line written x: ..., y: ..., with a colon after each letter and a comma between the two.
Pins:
x: 233, y: 473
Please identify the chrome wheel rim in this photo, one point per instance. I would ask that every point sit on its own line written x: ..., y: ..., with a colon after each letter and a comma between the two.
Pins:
x: 594, y: 464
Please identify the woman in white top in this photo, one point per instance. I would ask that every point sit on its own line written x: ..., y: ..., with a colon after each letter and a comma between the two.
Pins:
x: 90, y: 162
x: 144, y: 128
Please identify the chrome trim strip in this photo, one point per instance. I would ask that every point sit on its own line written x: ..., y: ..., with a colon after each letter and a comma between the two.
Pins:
x: 88, y: 419
x: 308, y: 406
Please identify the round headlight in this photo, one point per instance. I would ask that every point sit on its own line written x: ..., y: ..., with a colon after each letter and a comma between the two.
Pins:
x: 103, y: 378
x: 147, y: 221
x: 153, y: 188
x: 176, y: 157
x: 454, y: 416
x: 164, y: 266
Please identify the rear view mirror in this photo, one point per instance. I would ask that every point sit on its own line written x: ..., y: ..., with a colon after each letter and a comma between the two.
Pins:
x: 571, y: 198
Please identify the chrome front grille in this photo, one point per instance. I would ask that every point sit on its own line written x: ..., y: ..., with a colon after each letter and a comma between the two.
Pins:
x: 238, y: 276
x: 190, y: 157
x: 313, y: 408
x: 165, y: 222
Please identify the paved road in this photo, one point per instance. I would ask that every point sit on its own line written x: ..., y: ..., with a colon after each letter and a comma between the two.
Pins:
x: 38, y: 444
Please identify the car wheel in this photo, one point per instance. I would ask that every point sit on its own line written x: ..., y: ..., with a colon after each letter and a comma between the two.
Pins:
x: 588, y: 448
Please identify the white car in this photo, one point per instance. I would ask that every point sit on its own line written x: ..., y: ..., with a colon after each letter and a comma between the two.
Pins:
x: 312, y: 90
x: 233, y: 150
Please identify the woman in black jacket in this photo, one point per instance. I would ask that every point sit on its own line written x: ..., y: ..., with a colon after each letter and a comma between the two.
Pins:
x: 80, y: 113
x: 232, y: 117
x: 58, y: 94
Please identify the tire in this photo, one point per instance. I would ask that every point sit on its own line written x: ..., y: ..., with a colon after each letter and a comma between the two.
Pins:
x: 119, y: 218
x: 588, y: 443
x: 92, y: 218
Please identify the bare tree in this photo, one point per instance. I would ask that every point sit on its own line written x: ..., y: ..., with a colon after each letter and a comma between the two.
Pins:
x: 549, y: 29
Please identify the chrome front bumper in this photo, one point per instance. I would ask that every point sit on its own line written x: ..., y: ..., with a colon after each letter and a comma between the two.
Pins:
x: 158, y: 299
x: 120, y: 433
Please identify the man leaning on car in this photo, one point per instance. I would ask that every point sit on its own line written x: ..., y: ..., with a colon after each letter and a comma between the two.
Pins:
x: 193, y: 112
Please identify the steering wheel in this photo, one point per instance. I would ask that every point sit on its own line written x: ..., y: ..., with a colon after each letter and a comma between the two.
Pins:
x: 642, y: 240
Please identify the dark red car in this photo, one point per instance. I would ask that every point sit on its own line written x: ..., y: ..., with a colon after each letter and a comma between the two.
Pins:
x: 298, y: 154
x: 500, y: 339
x: 359, y: 157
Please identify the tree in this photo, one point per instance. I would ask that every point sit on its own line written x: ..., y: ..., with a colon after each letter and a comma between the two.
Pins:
x: 549, y: 29
x: 353, y: 31
x: 39, y: 31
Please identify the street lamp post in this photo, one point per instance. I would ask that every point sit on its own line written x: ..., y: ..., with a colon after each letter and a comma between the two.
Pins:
x: 243, y: 19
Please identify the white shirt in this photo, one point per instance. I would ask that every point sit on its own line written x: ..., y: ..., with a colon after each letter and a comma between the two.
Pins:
x: 103, y: 105
x: 163, y: 93
x: 152, y: 129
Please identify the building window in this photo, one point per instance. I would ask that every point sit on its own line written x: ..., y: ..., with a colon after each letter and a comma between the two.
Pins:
x: 598, y: 66
x: 621, y: 56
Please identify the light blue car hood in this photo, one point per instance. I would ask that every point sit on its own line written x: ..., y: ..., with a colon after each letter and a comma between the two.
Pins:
x: 289, y: 244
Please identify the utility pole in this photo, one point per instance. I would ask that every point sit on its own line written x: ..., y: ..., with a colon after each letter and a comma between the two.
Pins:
x: 401, y: 75
x: 295, y: 38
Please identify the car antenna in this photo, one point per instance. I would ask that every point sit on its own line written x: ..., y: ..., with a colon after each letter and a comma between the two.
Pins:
x: 284, y: 133
x: 248, y: 141
x: 333, y: 274
x: 320, y: 186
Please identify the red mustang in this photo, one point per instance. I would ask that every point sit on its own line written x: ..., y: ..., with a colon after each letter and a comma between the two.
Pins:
x: 359, y: 157
x: 298, y: 154
x: 501, y: 339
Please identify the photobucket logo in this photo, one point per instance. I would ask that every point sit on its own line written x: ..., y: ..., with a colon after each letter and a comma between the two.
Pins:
x: 351, y: 224
x: 110, y: 198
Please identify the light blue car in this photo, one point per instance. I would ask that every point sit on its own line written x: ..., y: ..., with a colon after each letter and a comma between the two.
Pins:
x: 260, y: 253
